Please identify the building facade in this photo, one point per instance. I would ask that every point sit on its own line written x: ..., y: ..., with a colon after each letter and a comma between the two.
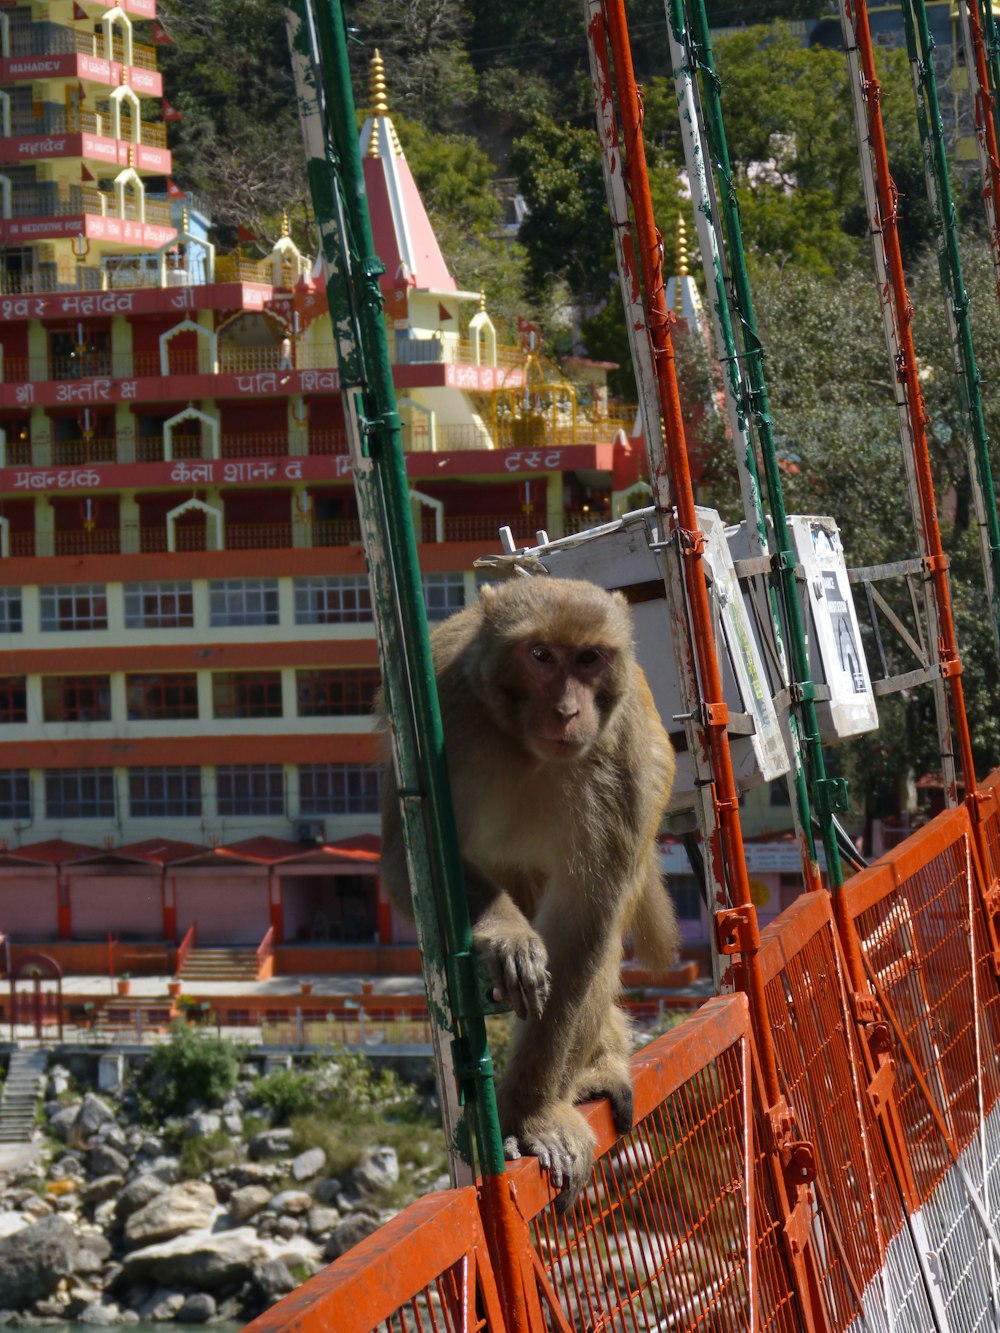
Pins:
x: 187, y: 660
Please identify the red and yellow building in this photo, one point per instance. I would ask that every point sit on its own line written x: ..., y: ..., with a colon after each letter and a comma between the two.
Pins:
x: 187, y: 658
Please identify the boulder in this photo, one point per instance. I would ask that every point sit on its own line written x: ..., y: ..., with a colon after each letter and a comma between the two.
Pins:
x: 59, y: 1081
x: 327, y: 1190
x: 271, y: 1143
x: 347, y: 1234
x: 204, y: 1261
x: 273, y: 1279
x: 93, y: 1254
x: 291, y: 1201
x: 162, y: 1306
x: 287, y: 1226
x: 377, y: 1170
x: 107, y: 1161
x: 104, y: 1314
x: 168, y: 1169
x: 36, y: 1208
x: 61, y: 1124
x: 93, y: 1112
x: 137, y: 1193
x: 199, y: 1308
x: 244, y: 1203
x: 104, y: 1187
x: 321, y: 1219
x: 34, y: 1260
x: 189, y: 1206
x: 308, y: 1164
x: 203, y: 1124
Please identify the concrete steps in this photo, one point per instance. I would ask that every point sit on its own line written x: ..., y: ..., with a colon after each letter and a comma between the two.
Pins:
x: 220, y: 965
x: 24, y: 1084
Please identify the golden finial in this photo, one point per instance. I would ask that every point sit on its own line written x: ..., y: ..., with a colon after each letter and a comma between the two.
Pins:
x: 681, y: 264
x: 376, y: 83
x: 284, y: 225
x: 184, y: 220
x: 482, y: 301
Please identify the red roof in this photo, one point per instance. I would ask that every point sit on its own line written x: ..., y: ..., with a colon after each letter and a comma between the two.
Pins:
x: 53, y: 852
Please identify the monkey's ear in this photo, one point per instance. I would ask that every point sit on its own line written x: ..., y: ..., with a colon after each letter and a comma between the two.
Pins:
x: 488, y: 595
x: 621, y: 599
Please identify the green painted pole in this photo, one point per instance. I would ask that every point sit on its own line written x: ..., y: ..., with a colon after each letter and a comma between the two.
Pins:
x: 828, y: 795
x: 920, y: 47
x: 456, y: 991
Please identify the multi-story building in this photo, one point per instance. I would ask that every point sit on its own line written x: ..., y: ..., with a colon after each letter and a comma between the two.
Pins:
x: 187, y: 658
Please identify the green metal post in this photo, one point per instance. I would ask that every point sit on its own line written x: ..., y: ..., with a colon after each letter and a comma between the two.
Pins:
x: 746, y: 457
x: 828, y: 794
x: 920, y: 46
x: 456, y: 994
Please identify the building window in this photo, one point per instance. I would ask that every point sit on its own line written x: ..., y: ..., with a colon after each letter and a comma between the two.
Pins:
x: 11, y: 620
x: 76, y: 698
x: 444, y: 594
x: 686, y: 895
x: 13, y: 699
x: 159, y: 606
x: 80, y: 793
x: 156, y: 698
x: 250, y: 789
x: 246, y: 694
x: 243, y: 602
x: 160, y: 793
x: 338, y: 789
x: 332, y: 600
x: 74, y: 607
x: 327, y: 693
x: 15, y: 794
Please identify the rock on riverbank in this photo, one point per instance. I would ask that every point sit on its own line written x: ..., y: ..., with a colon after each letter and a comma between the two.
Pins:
x: 103, y: 1229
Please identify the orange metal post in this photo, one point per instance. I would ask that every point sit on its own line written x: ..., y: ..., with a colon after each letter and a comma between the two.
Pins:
x: 742, y: 921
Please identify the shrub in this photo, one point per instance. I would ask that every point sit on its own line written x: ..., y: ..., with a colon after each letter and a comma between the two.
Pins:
x: 189, y: 1068
x: 286, y: 1093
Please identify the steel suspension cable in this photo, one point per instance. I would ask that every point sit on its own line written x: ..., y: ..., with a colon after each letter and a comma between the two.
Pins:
x: 920, y: 46
x: 741, y: 920
x: 828, y: 794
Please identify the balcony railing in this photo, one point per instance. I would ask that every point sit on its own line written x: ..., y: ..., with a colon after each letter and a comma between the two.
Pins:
x: 56, y: 199
x: 194, y: 361
x: 76, y: 453
x: 54, y: 39
x: 88, y: 278
x: 149, y: 448
x: 54, y: 119
x: 196, y: 535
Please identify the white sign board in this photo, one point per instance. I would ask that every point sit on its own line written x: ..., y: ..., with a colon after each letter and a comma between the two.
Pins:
x: 836, y: 656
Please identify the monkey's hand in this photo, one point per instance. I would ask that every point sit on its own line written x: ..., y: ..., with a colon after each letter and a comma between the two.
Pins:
x: 518, y: 962
x: 563, y: 1143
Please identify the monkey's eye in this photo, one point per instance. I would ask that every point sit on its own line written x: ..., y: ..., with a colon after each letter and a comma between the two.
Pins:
x: 588, y: 657
x: 541, y: 652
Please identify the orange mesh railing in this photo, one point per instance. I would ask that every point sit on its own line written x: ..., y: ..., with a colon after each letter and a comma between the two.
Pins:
x: 428, y: 1270
x: 691, y: 1221
x: 826, y: 1077
x: 662, y: 1229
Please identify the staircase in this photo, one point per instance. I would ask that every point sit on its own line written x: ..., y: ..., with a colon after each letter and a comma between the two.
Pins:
x: 219, y: 965
x: 25, y: 1083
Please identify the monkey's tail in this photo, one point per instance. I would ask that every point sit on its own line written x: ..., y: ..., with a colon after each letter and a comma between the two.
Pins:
x: 654, y: 932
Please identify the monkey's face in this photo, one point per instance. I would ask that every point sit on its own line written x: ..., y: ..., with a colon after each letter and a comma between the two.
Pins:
x: 561, y: 696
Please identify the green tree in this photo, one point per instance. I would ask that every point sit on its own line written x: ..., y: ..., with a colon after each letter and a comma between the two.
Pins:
x: 239, y: 146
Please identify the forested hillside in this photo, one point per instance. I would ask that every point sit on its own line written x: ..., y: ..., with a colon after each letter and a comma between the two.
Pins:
x: 494, y: 98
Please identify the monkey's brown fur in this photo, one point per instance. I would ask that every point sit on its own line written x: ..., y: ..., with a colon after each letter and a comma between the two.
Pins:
x: 560, y: 772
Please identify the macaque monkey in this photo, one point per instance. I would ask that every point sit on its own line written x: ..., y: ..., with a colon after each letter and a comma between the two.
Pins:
x: 560, y: 772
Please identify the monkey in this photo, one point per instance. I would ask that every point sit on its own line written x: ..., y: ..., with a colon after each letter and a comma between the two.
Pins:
x: 560, y: 771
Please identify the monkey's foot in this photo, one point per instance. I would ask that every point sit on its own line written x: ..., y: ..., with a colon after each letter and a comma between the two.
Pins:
x: 596, y: 1083
x: 563, y: 1143
x: 608, y: 1076
x: 520, y: 971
